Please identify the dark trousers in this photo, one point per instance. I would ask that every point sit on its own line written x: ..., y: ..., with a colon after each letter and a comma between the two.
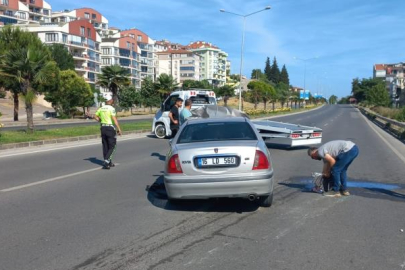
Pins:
x: 109, y: 140
x: 339, y: 170
x: 174, y: 130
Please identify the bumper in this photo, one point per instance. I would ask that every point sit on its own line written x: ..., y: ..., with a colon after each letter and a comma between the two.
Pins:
x: 236, y: 187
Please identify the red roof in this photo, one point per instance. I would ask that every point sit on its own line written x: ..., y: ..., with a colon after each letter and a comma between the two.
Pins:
x: 201, y: 44
x: 379, y: 67
x: 175, y: 52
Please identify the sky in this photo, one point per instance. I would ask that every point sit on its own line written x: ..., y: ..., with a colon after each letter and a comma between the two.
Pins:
x: 342, y: 38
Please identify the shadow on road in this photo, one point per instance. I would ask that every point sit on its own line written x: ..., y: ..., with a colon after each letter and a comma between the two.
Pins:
x: 160, y: 156
x: 158, y: 197
x: 357, y: 187
x: 94, y: 160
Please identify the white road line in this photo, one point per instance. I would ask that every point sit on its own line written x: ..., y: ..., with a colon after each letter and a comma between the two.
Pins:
x: 49, y: 180
x: 401, y: 157
x: 65, y: 147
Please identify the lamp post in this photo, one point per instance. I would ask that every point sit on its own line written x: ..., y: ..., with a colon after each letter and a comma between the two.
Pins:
x: 305, y: 69
x: 243, y: 44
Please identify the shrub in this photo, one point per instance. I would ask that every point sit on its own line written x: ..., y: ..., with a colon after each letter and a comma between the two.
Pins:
x: 2, y: 94
x: 388, y: 125
x: 402, y: 135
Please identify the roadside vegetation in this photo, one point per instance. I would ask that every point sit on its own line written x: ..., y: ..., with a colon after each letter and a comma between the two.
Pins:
x: 39, y: 135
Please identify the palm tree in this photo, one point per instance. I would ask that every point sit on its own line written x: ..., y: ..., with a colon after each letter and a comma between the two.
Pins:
x: 32, y: 67
x: 166, y: 84
x: 12, y: 38
x: 114, y: 78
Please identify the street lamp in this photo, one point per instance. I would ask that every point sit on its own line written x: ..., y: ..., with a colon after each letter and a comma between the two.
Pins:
x: 305, y: 66
x: 243, y: 44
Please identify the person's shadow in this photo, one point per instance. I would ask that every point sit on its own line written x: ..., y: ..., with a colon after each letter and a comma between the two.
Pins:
x: 161, y: 157
x: 95, y: 160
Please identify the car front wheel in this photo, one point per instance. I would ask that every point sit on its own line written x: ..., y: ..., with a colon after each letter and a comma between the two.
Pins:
x: 160, y: 131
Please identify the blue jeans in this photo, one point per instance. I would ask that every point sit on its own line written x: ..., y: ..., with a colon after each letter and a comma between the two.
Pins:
x: 339, y: 170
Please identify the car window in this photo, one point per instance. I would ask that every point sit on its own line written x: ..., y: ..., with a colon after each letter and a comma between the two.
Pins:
x: 216, y: 131
x: 199, y: 100
x: 170, y: 102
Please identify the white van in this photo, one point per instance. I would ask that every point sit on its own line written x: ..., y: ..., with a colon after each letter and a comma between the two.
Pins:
x: 161, y: 121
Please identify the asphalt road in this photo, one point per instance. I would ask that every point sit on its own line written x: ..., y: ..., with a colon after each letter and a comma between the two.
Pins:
x: 58, y: 210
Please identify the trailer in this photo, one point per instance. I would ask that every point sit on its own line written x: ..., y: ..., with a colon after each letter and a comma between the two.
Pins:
x: 288, y: 134
x: 271, y: 131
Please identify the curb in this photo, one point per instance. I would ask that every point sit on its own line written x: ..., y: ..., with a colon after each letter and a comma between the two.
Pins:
x: 62, y: 140
x: 287, y: 114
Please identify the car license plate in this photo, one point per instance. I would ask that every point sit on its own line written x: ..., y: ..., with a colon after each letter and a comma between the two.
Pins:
x: 216, y: 162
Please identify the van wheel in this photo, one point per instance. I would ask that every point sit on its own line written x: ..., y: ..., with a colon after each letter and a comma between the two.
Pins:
x: 160, y: 131
x: 265, y: 201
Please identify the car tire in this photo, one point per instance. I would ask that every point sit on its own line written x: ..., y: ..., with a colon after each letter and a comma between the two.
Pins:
x: 265, y: 201
x: 160, y: 131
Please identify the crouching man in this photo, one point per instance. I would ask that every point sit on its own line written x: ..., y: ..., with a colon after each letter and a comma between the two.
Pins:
x: 337, y: 157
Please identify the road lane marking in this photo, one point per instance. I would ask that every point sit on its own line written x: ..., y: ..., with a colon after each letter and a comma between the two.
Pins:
x: 66, y: 147
x: 401, y: 157
x: 49, y: 180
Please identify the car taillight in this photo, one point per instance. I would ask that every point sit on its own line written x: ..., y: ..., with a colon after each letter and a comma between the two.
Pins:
x: 261, y: 162
x: 174, y: 165
x: 316, y: 134
x: 294, y: 136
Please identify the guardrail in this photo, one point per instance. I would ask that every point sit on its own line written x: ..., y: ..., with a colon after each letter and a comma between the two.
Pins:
x: 395, y: 128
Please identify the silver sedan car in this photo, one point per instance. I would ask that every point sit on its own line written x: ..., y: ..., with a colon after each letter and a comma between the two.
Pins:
x: 219, y: 157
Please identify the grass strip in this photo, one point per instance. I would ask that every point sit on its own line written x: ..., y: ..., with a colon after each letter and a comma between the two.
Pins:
x: 67, y: 132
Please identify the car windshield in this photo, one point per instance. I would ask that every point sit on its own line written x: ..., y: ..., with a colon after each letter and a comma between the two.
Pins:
x: 216, y: 131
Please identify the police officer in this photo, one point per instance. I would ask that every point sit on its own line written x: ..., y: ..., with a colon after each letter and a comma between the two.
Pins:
x: 106, y: 115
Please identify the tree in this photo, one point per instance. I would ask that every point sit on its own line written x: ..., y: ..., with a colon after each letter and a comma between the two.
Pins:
x: 62, y: 57
x: 225, y: 91
x: 189, y: 84
x: 72, y: 92
x: 378, y: 96
x: 283, y: 93
x: 361, y: 88
x: 11, y: 39
x: 274, y: 72
x: 114, y: 78
x: 256, y: 91
x: 165, y: 84
x: 256, y: 74
x: 149, y: 94
x: 284, y: 78
x: 267, y: 69
x: 32, y: 67
x: 333, y: 99
x: 268, y: 93
x: 129, y: 97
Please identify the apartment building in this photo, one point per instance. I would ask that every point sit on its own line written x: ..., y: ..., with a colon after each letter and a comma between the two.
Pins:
x: 80, y: 38
x: 38, y: 10
x: 123, y: 51
x: 181, y: 64
x: 99, y: 22
x: 24, y: 12
x: 213, y: 62
x: 394, y: 76
x: 146, y: 52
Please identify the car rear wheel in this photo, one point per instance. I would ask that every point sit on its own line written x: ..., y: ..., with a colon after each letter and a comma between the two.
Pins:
x: 265, y: 201
x: 160, y: 131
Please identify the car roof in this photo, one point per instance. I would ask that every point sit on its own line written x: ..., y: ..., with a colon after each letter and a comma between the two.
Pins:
x: 192, y: 121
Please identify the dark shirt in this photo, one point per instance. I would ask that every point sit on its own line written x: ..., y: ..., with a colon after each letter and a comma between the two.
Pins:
x: 175, y: 113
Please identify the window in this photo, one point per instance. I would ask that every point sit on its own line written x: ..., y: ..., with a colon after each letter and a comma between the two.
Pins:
x: 106, y: 61
x: 46, y: 12
x: 170, y: 102
x: 51, y: 37
x: 64, y: 38
x: 139, y: 38
x: 93, y: 16
x: 106, y: 51
x: 187, y: 68
x: 132, y: 36
x: 128, y: 45
x: 22, y: 15
x: 217, y: 131
x: 89, y: 32
x: 82, y: 31
x: 4, y: 2
x: 87, y: 15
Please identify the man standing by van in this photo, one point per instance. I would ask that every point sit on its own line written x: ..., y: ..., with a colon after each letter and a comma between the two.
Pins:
x: 186, y: 113
x: 106, y: 116
x: 174, y: 116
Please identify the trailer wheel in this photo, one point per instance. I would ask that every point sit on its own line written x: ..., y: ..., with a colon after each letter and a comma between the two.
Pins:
x: 265, y: 201
x: 160, y: 131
